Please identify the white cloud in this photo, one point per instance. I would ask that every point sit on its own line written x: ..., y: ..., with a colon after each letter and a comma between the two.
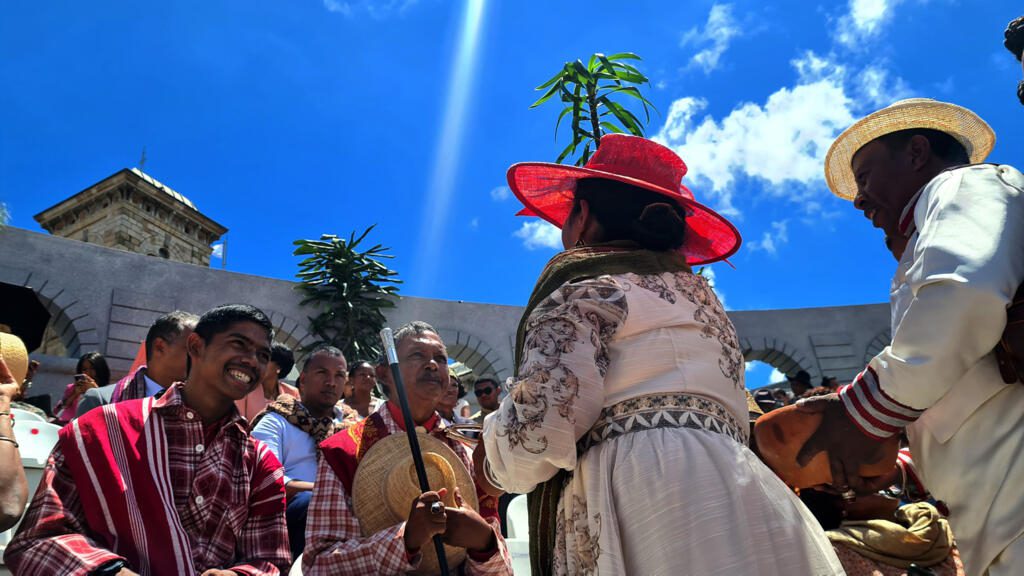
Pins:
x: 218, y: 251
x: 714, y: 39
x: 864, y: 21
x: 501, y: 193
x: 474, y: 223
x: 875, y: 87
x: 775, y: 377
x: 773, y: 239
x: 782, y: 142
x: 373, y: 8
x: 539, y: 234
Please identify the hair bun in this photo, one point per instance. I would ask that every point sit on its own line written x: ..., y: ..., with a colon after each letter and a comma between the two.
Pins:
x: 661, y: 226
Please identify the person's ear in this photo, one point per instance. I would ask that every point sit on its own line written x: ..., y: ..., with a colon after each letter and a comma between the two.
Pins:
x: 159, y: 346
x: 195, y: 345
x: 920, y: 151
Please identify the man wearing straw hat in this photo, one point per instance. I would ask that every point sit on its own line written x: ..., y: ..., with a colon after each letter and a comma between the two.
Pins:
x: 368, y: 515
x: 956, y: 226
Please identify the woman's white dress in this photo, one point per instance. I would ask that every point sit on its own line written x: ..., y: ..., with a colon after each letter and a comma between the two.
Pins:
x: 642, y: 376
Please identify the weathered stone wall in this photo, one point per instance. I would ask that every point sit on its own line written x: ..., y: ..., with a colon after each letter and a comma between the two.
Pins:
x: 104, y: 299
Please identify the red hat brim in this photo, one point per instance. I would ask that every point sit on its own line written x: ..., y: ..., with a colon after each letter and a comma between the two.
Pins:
x: 546, y: 191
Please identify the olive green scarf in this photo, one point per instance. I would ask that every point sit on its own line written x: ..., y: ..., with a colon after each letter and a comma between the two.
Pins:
x: 566, y: 267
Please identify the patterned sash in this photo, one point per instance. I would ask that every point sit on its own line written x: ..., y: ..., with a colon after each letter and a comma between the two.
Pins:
x: 653, y: 411
x: 131, y: 387
x: 296, y: 413
x: 121, y: 451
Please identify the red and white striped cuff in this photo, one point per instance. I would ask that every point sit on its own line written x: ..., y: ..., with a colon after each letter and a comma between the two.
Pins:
x: 874, y: 411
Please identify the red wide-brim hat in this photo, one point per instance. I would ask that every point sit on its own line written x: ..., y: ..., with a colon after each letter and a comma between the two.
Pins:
x: 546, y: 190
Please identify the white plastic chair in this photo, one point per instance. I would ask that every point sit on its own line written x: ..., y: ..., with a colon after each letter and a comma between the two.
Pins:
x: 36, y: 439
x: 518, y: 522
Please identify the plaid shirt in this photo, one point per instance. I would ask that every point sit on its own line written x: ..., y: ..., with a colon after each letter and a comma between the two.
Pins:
x: 228, y: 499
x: 335, y: 544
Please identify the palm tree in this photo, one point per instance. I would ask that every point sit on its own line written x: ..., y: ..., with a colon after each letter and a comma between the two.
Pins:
x: 349, y: 289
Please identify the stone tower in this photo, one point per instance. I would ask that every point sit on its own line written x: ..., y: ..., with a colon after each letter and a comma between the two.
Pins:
x: 132, y: 211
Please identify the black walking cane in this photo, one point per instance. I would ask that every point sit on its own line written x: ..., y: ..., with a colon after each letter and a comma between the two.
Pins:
x: 410, y: 431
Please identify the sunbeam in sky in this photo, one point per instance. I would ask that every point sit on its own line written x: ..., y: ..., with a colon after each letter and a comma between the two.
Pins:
x: 442, y: 182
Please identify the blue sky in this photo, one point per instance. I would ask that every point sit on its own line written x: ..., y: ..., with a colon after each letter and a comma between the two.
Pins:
x: 285, y: 120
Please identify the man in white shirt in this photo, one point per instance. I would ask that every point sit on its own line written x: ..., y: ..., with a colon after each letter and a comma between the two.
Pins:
x: 957, y: 228
x: 166, y: 363
x: 292, y: 429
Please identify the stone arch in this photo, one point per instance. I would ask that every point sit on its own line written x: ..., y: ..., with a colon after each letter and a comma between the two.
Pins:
x: 71, y: 328
x: 472, y: 351
x: 291, y: 333
x: 877, y: 344
x: 778, y: 354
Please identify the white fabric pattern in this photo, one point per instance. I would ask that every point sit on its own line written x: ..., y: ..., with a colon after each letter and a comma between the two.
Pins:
x: 629, y: 354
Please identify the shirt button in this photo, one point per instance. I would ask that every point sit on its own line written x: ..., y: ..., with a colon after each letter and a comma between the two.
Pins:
x: 199, y: 448
x: 200, y: 500
x: 189, y: 415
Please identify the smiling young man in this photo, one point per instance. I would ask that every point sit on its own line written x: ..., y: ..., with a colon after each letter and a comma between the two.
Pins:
x: 293, y: 429
x: 336, y: 544
x: 170, y: 485
x: 956, y: 226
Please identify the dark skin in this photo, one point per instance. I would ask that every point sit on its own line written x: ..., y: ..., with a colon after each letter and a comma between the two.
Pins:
x: 362, y: 382
x: 225, y: 369
x: 269, y: 381
x: 320, y: 385
x: 12, y: 475
x: 490, y: 399
x: 887, y: 180
x: 423, y: 363
x: 581, y: 225
x: 167, y: 362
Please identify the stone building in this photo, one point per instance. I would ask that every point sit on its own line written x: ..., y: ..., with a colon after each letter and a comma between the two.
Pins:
x: 133, y: 211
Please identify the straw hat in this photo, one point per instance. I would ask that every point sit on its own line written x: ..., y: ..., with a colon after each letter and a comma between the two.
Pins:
x: 386, y: 485
x: 547, y: 190
x: 959, y: 122
x: 13, y: 351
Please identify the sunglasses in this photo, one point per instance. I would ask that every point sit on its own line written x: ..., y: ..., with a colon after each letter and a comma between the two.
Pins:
x: 483, y: 391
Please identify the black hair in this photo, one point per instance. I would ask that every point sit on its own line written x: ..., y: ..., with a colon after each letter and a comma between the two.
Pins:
x: 356, y: 365
x: 219, y: 319
x: 491, y: 379
x: 283, y: 357
x: 323, y: 350
x: 943, y: 145
x: 99, y: 365
x: 1014, y: 37
x: 627, y: 212
x: 414, y: 328
x: 168, y: 327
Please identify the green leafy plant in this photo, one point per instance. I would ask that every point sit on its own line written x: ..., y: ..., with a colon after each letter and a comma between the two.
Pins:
x: 587, y: 91
x: 349, y: 289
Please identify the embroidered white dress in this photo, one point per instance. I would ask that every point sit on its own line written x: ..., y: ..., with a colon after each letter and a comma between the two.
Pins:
x: 635, y: 385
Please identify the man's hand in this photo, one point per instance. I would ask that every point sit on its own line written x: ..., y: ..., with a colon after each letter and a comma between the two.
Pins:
x: 467, y: 529
x: 422, y: 524
x: 848, y: 448
x: 479, y: 458
x: 218, y: 572
x: 129, y: 572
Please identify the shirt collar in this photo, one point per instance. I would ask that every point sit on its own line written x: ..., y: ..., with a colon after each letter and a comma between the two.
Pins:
x: 171, y: 403
x: 152, y: 387
x: 907, y: 226
x: 396, y: 414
